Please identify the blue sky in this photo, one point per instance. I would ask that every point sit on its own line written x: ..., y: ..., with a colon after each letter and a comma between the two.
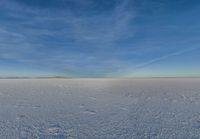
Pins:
x: 99, y: 38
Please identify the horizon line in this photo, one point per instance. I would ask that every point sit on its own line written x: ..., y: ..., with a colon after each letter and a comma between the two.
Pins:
x: 66, y: 77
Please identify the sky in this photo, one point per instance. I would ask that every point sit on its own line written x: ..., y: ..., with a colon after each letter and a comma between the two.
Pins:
x: 100, y: 38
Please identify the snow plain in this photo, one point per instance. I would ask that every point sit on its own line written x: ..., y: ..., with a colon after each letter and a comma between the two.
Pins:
x: 154, y: 108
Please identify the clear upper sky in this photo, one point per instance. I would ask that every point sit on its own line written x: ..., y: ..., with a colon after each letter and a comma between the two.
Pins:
x: 100, y: 38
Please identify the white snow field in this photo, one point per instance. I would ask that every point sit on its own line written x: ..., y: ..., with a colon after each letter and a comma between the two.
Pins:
x: 151, y: 108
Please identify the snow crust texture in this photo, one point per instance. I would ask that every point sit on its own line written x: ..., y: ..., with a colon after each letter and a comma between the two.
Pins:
x: 154, y: 108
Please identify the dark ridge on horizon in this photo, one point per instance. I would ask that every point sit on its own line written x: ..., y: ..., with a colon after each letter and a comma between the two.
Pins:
x: 63, y: 77
x: 50, y: 77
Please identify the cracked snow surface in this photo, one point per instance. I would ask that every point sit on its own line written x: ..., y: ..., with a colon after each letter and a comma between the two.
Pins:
x: 155, y: 108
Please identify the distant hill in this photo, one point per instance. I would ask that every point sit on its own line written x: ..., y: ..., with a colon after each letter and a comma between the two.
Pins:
x: 51, y: 77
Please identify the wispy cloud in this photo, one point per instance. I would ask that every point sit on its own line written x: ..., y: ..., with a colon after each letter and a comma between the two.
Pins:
x: 69, y: 35
x: 89, y: 37
x: 153, y: 61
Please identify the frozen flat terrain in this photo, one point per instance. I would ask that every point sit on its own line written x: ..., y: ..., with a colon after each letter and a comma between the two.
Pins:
x: 162, y: 108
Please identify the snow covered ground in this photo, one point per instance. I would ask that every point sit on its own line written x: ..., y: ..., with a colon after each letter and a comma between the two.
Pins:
x: 160, y: 108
